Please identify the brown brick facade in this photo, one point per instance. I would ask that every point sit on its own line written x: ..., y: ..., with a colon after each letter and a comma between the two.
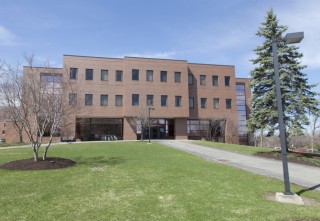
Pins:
x: 169, y: 81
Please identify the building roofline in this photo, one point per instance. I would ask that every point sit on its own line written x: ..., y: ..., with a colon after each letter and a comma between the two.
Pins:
x: 165, y: 59
x: 243, y: 78
x: 213, y: 64
x: 25, y: 66
x: 84, y: 56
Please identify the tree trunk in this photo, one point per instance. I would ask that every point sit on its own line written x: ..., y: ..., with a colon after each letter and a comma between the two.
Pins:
x: 44, y: 156
x: 142, y: 132
x: 20, y: 137
x: 261, y: 137
x: 35, y: 152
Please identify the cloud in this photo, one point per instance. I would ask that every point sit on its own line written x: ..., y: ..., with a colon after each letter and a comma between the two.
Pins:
x: 304, y: 16
x: 6, y: 37
x: 164, y: 55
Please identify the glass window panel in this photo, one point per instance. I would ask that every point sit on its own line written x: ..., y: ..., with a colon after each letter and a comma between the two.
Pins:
x: 104, y: 100
x: 163, y: 76
x: 73, y: 73
x: 104, y: 75
x: 88, y: 99
x: 135, y: 99
x: 203, y: 102
x: 216, y: 103
x: 118, y: 100
x: 191, y: 102
x: 89, y: 74
x: 190, y: 79
x: 178, y: 101
x: 150, y: 100
x: 149, y: 75
x: 118, y: 75
x: 202, y: 79
x: 215, y: 80
x: 227, y: 80
x: 164, y: 99
x: 228, y: 103
x: 135, y: 74
x: 177, y: 76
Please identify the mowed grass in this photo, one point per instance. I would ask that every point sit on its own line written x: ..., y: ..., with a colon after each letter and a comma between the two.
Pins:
x: 234, y: 147
x: 137, y: 181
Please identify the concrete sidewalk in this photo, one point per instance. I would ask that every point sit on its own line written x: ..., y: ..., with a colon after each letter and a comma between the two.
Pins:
x: 303, y: 175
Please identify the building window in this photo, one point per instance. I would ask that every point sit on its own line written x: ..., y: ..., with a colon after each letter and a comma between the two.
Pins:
x: 51, y: 83
x: 227, y: 80
x: 104, y: 75
x: 242, y: 113
x: 191, y: 102
x: 149, y: 100
x: 72, y: 98
x: 104, y: 100
x: 228, y: 103
x: 149, y: 75
x: 178, y: 101
x: 215, y: 80
x: 190, y: 79
x: 118, y: 100
x: 216, y: 103
x: 163, y: 76
x: 164, y: 100
x: 118, y: 75
x: 177, y: 77
x: 203, y: 102
x: 135, y: 99
x: 202, y: 79
x: 135, y: 74
x: 89, y: 74
x: 73, y: 73
x: 88, y: 99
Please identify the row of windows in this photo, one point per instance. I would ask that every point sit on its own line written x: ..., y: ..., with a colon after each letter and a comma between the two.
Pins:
x: 149, y: 98
x: 216, y: 103
x: 104, y: 75
x: 203, y: 80
x: 119, y: 100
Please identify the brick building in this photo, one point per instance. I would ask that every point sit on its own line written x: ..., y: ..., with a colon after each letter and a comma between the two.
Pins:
x: 185, y: 100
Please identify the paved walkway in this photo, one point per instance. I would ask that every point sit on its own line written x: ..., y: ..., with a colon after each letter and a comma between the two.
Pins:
x: 303, y: 175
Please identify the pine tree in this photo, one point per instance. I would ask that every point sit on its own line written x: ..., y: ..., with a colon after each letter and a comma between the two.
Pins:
x: 297, y: 95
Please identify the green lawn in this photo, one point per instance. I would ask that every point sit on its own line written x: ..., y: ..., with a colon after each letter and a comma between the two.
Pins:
x: 234, y: 147
x: 137, y: 181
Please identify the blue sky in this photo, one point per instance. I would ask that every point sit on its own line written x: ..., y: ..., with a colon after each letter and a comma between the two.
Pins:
x: 200, y: 31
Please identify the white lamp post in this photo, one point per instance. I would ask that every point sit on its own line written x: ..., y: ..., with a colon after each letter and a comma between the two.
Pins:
x: 290, y: 38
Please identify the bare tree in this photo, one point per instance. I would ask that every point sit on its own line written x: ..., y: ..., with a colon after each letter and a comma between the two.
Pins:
x: 231, y: 136
x: 36, y: 99
x: 216, y: 129
x: 9, y: 90
x: 141, y: 120
x: 314, y: 125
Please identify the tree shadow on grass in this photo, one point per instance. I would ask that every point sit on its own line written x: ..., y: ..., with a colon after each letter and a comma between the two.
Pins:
x: 93, y: 161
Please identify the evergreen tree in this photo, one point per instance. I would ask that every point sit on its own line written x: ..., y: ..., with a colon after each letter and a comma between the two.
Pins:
x: 297, y: 95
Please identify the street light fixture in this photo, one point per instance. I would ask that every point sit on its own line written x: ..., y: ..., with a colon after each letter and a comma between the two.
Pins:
x: 150, y: 108
x: 290, y: 38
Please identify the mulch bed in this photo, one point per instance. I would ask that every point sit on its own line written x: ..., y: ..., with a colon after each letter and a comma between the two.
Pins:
x: 51, y: 163
x: 311, y: 159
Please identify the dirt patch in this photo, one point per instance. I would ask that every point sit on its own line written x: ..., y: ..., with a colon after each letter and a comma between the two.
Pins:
x: 51, y: 163
x: 307, y: 201
x: 311, y: 159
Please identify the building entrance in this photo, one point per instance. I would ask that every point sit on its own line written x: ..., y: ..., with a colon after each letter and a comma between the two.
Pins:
x: 159, y: 129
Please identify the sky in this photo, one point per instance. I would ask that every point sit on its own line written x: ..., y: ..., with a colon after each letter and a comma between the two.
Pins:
x: 199, y: 31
